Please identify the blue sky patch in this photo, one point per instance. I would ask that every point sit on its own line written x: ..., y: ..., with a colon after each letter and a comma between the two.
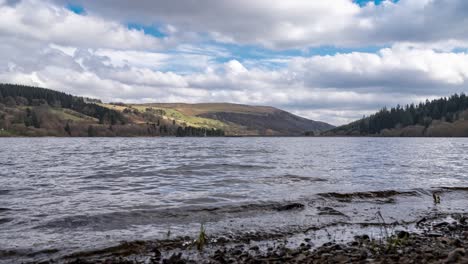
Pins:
x: 77, y: 9
x: 332, y: 50
x: 256, y: 53
x: 364, y: 2
x: 149, y: 30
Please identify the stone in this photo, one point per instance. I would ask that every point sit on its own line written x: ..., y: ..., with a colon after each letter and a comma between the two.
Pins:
x: 455, y: 255
x: 402, y: 234
x: 255, y: 248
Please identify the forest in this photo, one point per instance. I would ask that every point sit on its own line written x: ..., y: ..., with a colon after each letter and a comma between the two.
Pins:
x: 423, y: 115
x: 12, y: 95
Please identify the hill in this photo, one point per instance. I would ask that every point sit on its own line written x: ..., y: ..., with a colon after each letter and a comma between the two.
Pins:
x: 237, y: 119
x: 444, y: 117
x: 31, y: 111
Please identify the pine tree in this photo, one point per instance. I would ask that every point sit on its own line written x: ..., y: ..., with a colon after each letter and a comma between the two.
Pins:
x: 35, y: 121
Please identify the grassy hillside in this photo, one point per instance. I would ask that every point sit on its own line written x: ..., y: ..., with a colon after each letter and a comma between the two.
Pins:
x: 234, y: 119
x: 31, y: 111
x: 444, y: 117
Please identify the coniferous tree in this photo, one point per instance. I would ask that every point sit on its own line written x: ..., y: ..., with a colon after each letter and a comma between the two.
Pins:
x: 445, y: 109
x: 35, y: 121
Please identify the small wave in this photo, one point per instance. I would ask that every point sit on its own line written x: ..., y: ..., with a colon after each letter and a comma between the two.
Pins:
x: 181, y: 215
x: 4, y: 192
x: 291, y: 179
x: 329, y: 211
x: 95, y: 188
x: 458, y: 188
x: 212, y: 167
x: 292, y: 206
x: 9, y: 253
x: 5, y: 220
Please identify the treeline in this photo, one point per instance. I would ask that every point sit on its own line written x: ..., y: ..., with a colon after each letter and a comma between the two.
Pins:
x: 31, y: 111
x: 190, y: 131
x: 444, y: 109
x: 12, y: 95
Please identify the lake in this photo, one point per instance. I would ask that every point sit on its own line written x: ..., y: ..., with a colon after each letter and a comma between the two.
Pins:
x: 62, y: 195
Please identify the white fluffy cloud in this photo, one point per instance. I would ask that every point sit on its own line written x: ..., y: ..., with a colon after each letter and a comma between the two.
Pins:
x: 297, y: 23
x: 39, y: 21
x: 400, y: 68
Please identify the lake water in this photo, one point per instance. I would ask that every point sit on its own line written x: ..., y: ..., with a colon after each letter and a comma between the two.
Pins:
x: 61, y: 195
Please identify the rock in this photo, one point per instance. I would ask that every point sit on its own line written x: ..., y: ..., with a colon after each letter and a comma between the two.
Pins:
x: 157, y: 253
x: 255, y: 248
x: 445, y: 240
x: 462, y: 220
x: 174, y: 259
x: 455, y: 255
x: 441, y: 224
x: 363, y: 254
x: 452, y: 227
x: 340, y: 259
x: 237, y: 252
x: 336, y: 247
x: 434, y: 234
x: 301, y: 258
x: 223, y: 239
x: 456, y: 242
x: 402, y: 234
x: 465, y: 234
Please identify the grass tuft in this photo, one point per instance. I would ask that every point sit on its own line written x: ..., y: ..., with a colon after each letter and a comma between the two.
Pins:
x: 202, y: 238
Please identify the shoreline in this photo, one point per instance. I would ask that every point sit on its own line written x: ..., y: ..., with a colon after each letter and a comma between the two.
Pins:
x: 443, y: 239
x: 341, y: 228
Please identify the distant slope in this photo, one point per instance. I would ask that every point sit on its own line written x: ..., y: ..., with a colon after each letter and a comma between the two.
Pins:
x: 444, y: 117
x: 31, y: 111
x: 238, y: 119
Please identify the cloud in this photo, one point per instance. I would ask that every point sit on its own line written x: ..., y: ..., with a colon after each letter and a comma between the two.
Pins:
x: 397, y: 69
x: 298, y: 23
x: 40, y: 21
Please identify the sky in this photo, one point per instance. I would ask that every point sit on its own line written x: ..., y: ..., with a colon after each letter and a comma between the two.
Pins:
x: 333, y: 61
